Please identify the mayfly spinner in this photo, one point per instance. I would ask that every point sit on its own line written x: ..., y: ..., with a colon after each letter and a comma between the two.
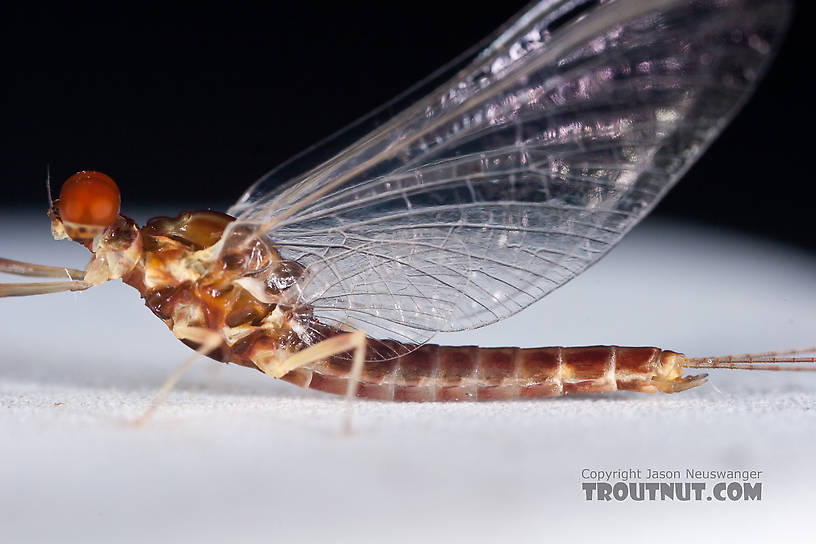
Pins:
x: 532, y: 159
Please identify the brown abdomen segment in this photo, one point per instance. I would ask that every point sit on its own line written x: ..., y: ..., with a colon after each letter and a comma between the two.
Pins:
x: 449, y: 373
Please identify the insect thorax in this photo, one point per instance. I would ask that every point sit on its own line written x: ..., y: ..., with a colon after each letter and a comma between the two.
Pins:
x: 188, y: 280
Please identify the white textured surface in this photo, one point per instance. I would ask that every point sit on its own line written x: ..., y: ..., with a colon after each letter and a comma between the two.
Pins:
x: 233, y: 454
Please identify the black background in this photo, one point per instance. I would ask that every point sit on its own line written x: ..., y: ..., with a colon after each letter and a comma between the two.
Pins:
x: 188, y: 106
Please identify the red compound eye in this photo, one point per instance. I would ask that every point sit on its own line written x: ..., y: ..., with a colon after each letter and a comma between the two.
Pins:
x: 89, y: 198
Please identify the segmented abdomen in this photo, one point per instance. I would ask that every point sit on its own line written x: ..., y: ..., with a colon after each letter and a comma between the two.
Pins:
x: 449, y: 373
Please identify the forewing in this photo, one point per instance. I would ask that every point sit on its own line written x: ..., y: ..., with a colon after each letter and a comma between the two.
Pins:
x: 521, y: 171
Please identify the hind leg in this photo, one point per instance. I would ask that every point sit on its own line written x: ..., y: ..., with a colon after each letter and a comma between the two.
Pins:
x: 342, y: 343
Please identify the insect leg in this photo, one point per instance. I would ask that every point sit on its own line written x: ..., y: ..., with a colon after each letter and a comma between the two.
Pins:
x: 342, y: 343
x: 321, y: 351
x: 21, y: 268
x: 208, y: 340
x: 41, y: 288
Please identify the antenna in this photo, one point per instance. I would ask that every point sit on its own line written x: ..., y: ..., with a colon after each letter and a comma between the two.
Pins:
x: 48, y: 185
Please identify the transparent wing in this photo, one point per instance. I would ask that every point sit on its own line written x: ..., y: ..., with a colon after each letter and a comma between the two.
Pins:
x: 521, y: 171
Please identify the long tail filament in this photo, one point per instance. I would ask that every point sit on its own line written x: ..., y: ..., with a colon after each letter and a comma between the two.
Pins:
x: 769, y: 360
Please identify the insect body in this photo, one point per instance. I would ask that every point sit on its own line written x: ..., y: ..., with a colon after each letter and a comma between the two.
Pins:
x: 193, y: 288
x: 500, y: 185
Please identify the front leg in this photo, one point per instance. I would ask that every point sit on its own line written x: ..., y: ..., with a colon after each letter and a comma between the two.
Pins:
x: 21, y: 268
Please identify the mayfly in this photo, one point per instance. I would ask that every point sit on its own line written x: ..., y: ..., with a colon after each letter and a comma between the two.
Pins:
x: 535, y: 156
